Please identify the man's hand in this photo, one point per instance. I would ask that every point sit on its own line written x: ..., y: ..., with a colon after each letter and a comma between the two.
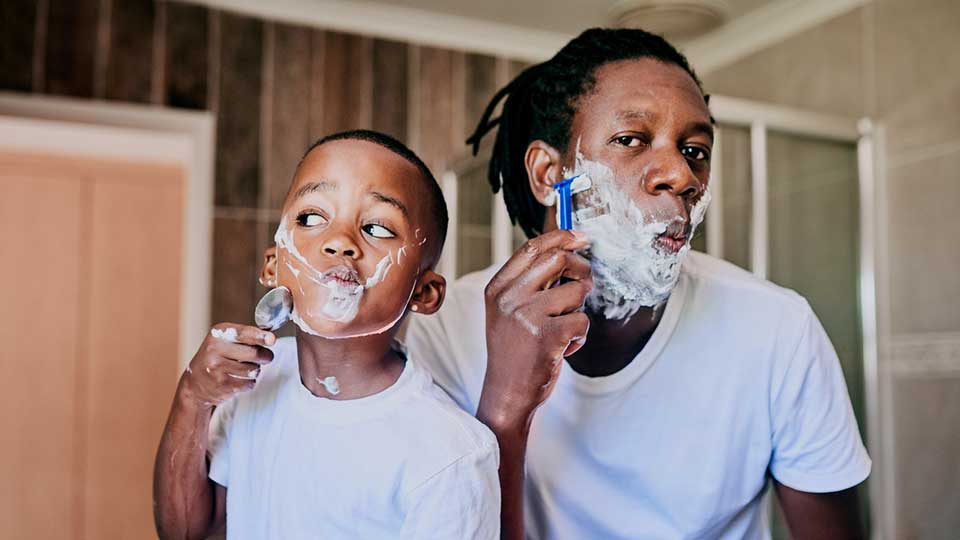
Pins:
x: 533, y: 322
x: 227, y: 363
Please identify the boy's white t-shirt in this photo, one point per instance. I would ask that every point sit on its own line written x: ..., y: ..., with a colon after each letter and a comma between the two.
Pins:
x: 405, y: 463
x: 738, y: 380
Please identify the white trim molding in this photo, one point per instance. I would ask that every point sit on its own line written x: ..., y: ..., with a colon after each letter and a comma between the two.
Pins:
x: 139, y: 132
x: 761, y: 28
x: 407, y: 24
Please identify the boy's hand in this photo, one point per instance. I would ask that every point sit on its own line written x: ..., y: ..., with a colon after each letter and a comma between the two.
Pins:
x: 533, y: 322
x: 227, y: 363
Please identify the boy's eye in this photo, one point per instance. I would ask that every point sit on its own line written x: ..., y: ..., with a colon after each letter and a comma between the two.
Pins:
x: 695, y: 153
x: 310, y: 219
x: 378, y: 231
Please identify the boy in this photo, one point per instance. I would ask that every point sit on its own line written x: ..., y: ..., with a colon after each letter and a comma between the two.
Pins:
x: 338, y: 434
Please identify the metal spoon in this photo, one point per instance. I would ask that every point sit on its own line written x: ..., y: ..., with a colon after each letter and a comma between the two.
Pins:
x: 274, y: 309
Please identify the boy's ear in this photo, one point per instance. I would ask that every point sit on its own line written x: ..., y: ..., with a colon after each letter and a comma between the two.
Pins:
x: 268, y: 274
x: 543, y: 170
x: 428, y: 295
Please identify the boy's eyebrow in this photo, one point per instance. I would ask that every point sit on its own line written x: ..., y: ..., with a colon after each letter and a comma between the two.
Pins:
x: 322, y: 186
x: 392, y: 201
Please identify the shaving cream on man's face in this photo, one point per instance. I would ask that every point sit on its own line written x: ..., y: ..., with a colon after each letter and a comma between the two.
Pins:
x: 635, y: 254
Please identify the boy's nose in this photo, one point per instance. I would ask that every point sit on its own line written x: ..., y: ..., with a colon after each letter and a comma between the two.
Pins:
x: 339, y: 243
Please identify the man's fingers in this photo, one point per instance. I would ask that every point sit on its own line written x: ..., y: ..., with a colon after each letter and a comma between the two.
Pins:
x: 521, y: 260
x: 571, y: 330
x: 239, y: 333
x: 547, y: 270
x: 564, y: 298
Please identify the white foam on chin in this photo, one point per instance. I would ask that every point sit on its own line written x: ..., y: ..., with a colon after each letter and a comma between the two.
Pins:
x: 629, y: 271
x: 343, y: 301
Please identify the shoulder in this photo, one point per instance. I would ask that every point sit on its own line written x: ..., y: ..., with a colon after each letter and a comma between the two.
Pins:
x: 456, y: 431
x: 437, y: 432
x: 712, y: 280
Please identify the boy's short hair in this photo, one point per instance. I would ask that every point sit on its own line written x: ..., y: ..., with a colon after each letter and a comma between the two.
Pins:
x: 438, y: 206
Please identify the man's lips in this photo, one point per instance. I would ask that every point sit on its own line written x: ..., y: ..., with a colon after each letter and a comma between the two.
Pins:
x: 675, y: 237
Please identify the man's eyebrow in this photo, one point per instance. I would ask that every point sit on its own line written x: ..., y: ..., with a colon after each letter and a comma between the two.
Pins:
x: 701, y: 127
x: 392, y: 201
x: 322, y: 186
x: 635, y: 114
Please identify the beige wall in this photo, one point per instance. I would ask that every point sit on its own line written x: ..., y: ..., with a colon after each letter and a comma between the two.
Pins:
x: 899, y: 63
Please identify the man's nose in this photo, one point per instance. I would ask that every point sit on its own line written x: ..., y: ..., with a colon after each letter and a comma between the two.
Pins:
x: 671, y: 173
x: 339, y: 242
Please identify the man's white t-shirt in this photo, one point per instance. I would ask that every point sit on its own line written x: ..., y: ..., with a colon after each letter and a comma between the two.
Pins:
x: 405, y: 463
x: 738, y: 381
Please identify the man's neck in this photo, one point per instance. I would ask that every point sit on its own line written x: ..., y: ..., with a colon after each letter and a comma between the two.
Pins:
x: 363, y: 366
x: 612, y: 344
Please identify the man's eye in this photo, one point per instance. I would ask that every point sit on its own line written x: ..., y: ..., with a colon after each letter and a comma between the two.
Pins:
x: 628, y: 140
x: 695, y: 153
x: 378, y: 231
x: 310, y: 219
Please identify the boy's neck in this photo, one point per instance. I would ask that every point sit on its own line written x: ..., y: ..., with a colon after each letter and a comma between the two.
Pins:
x: 363, y: 366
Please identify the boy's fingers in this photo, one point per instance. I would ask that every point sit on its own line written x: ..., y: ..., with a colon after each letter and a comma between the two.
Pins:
x: 242, y: 370
x: 247, y: 353
x: 239, y: 333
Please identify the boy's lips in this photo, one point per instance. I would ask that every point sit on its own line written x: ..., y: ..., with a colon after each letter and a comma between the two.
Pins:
x: 341, y: 275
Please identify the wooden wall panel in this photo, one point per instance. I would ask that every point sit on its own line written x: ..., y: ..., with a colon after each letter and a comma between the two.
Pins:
x: 130, y: 53
x: 390, y: 87
x: 186, y: 46
x: 435, y: 110
x: 134, y: 309
x: 235, y: 269
x: 238, y: 114
x: 481, y: 84
x: 38, y: 397
x: 290, y: 102
x: 347, y: 82
x: 71, y: 47
x: 18, y: 21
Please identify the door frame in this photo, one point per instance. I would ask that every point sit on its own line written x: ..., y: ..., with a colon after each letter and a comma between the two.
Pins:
x: 99, y: 129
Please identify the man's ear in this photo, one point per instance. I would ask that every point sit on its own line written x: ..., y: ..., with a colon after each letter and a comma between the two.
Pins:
x: 268, y: 274
x: 543, y: 170
x: 428, y: 294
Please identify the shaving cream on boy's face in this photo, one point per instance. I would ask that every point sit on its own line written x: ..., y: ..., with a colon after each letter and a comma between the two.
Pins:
x: 635, y: 251
x: 349, y: 257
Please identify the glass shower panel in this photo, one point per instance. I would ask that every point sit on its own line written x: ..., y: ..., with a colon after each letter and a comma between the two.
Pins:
x: 814, y: 230
x: 813, y: 209
x: 736, y: 201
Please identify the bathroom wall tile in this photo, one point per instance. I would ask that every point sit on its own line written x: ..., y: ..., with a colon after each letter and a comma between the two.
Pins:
x: 924, y: 254
x: 820, y: 69
x: 927, y: 424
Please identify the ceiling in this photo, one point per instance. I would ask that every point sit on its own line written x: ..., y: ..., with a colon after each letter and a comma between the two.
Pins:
x: 568, y: 17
